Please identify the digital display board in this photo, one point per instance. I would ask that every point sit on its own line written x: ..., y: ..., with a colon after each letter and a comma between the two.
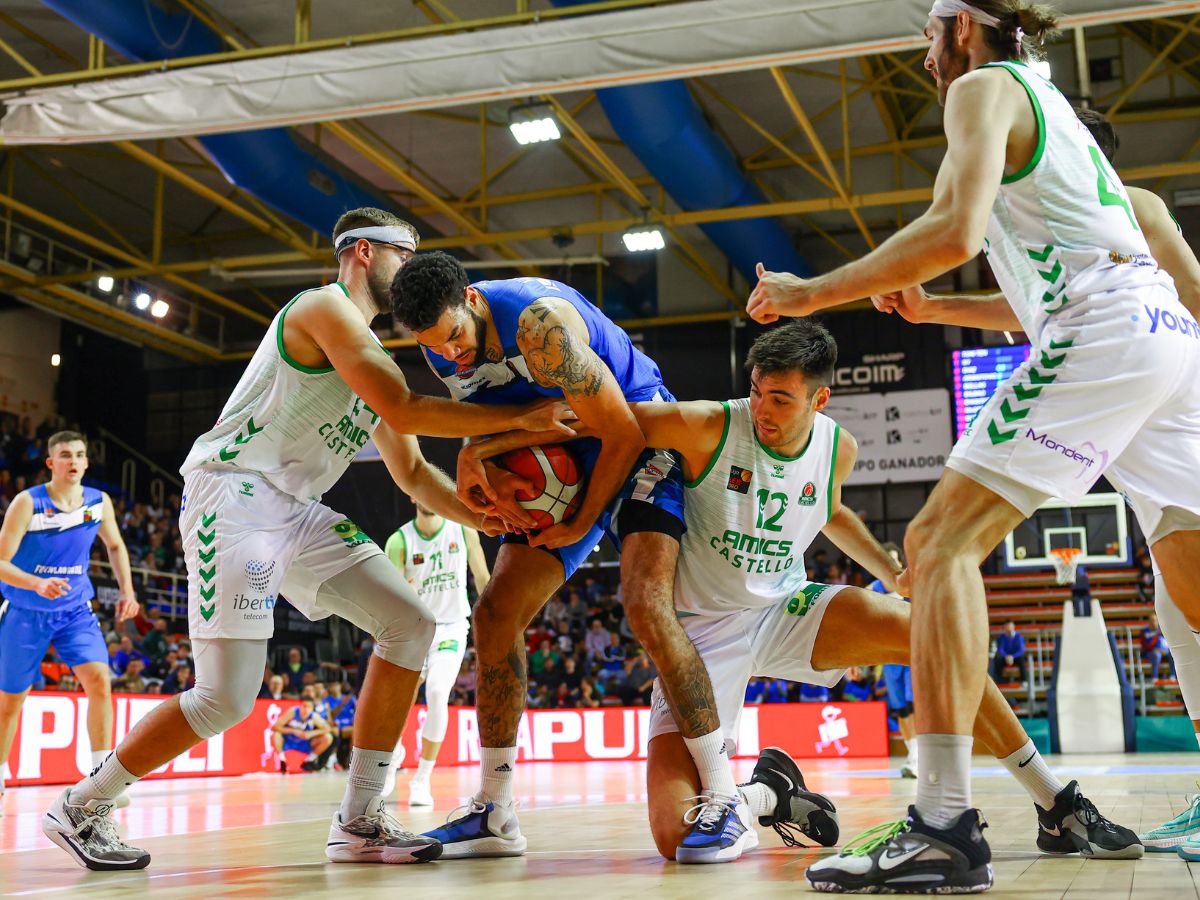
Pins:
x: 977, y: 374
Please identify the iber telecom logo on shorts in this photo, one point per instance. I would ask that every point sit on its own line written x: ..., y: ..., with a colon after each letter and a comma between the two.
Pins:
x: 254, y: 609
x: 1086, y: 462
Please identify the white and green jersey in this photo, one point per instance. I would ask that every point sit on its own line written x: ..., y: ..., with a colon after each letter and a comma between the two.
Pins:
x: 1062, y: 228
x: 436, y: 565
x: 751, y: 515
x: 296, y: 426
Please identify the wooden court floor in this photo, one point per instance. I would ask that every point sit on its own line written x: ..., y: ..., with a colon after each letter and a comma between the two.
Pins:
x: 264, y: 836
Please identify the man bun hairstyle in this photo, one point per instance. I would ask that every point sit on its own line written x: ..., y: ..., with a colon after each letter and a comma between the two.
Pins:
x: 1022, y: 30
x: 425, y: 287
x: 803, y: 345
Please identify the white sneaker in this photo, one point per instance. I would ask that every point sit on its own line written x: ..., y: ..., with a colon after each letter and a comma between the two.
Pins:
x: 722, y: 829
x: 419, y: 793
x: 377, y: 837
x: 90, y: 836
x: 909, y: 769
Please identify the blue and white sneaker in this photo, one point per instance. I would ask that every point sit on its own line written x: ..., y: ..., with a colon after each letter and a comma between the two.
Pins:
x: 1173, y: 835
x: 1190, y: 849
x: 476, y: 834
x: 722, y: 830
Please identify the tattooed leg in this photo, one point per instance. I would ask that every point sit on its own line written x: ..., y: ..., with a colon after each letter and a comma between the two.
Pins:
x: 521, y: 583
x: 648, y: 577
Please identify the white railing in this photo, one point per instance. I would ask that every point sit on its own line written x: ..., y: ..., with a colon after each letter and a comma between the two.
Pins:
x: 166, y: 591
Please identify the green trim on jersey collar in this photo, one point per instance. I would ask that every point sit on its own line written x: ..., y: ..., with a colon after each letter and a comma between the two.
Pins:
x: 428, y: 537
x: 837, y: 433
x: 1010, y: 67
x: 345, y: 290
x: 716, y: 453
x: 299, y: 367
x: 771, y: 453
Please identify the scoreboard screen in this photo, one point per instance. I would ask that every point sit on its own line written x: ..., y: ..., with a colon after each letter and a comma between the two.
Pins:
x: 977, y: 374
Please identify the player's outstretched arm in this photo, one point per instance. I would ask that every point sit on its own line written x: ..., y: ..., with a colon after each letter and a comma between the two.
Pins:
x: 991, y: 312
x: 324, y: 324
x: 15, y: 524
x: 476, y: 561
x: 422, y: 480
x: 118, y: 558
x: 1167, y: 246
x: 847, y: 530
x: 979, y: 111
x: 693, y: 429
x: 554, y: 340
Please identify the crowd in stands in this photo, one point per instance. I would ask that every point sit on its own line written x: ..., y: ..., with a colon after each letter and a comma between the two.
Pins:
x: 22, y: 455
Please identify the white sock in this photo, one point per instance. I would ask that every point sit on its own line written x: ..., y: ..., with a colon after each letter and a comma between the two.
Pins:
x: 98, y: 757
x: 496, y: 765
x: 424, y: 769
x: 712, y: 762
x: 368, y: 775
x: 107, y: 783
x: 944, y: 777
x: 911, y: 748
x: 1027, y: 766
x: 760, y: 798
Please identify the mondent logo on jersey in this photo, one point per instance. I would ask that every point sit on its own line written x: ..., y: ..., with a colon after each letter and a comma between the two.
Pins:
x: 739, y: 480
x: 1070, y: 452
x: 808, y: 496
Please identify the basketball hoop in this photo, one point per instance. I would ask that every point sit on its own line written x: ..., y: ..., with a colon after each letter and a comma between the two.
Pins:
x: 1066, y: 563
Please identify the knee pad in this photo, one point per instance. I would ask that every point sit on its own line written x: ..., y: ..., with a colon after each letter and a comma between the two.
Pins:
x: 213, y: 707
x: 404, y: 639
x: 1184, y: 644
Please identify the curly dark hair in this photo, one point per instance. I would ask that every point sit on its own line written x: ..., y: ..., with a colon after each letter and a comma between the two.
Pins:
x: 426, y: 286
x: 803, y: 345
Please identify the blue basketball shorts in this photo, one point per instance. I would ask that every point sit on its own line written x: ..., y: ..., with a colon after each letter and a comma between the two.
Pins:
x: 26, y: 634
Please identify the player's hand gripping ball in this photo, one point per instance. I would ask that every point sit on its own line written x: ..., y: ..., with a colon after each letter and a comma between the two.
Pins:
x: 556, y: 478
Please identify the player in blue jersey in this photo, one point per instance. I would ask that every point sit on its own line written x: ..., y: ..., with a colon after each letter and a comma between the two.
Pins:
x: 45, y: 544
x: 517, y: 340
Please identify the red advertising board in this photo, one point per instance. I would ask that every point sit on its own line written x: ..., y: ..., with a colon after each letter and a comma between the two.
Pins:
x: 51, y: 745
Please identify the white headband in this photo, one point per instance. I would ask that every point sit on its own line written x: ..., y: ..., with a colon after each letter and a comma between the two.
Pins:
x: 947, y: 9
x: 397, y: 235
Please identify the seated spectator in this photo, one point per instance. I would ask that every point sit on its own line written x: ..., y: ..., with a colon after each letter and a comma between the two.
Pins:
x: 556, y: 609
x: 836, y: 575
x: 613, y: 659
x: 132, y: 681
x: 597, y: 640
x: 777, y: 690
x: 566, y: 640
x: 155, y: 644
x: 342, y: 706
x: 858, y: 685
x: 126, y: 652
x: 296, y: 667
x: 813, y: 693
x: 464, y: 685
x: 577, y: 609
x: 185, y: 653
x: 639, y: 679
x: 550, y: 676
x: 114, y: 648
x: 592, y: 590
x: 1155, y: 649
x: 591, y: 694
x: 302, y: 730
x: 539, y: 697
x: 272, y: 687
x: 1010, y: 652
x: 545, y: 652
x: 534, y: 636
x: 572, y: 679
x: 756, y: 691
x: 179, y: 680
x: 161, y: 668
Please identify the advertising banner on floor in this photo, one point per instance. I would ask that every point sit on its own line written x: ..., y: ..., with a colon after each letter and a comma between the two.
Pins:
x: 52, y: 747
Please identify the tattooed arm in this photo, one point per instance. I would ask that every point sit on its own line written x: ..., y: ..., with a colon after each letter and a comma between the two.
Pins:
x: 554, y: 340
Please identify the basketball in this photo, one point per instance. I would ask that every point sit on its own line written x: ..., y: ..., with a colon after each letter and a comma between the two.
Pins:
x: 556, y: 478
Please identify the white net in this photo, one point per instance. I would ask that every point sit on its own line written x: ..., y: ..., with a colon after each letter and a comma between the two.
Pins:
x: 1066, y: 564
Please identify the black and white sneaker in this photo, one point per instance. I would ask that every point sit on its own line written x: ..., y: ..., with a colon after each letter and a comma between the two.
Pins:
x: 90, y: 836
x: 797, y: 809
x: 1074, y: 825
x: 377, y: 837
x: 910, y: 857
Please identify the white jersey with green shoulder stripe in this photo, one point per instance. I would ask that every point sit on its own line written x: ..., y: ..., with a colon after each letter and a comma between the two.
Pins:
x: 436, y: 565
x: 1062, y: 229
x: 750, y: 517
x: 296, y: 426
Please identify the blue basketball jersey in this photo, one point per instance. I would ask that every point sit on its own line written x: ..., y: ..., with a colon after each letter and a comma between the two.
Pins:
x: 57, y: 544
x: 303, y: 724
x: 509, y: 380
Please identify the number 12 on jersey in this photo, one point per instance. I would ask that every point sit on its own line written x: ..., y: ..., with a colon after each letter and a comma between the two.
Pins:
x: 771, y: 523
